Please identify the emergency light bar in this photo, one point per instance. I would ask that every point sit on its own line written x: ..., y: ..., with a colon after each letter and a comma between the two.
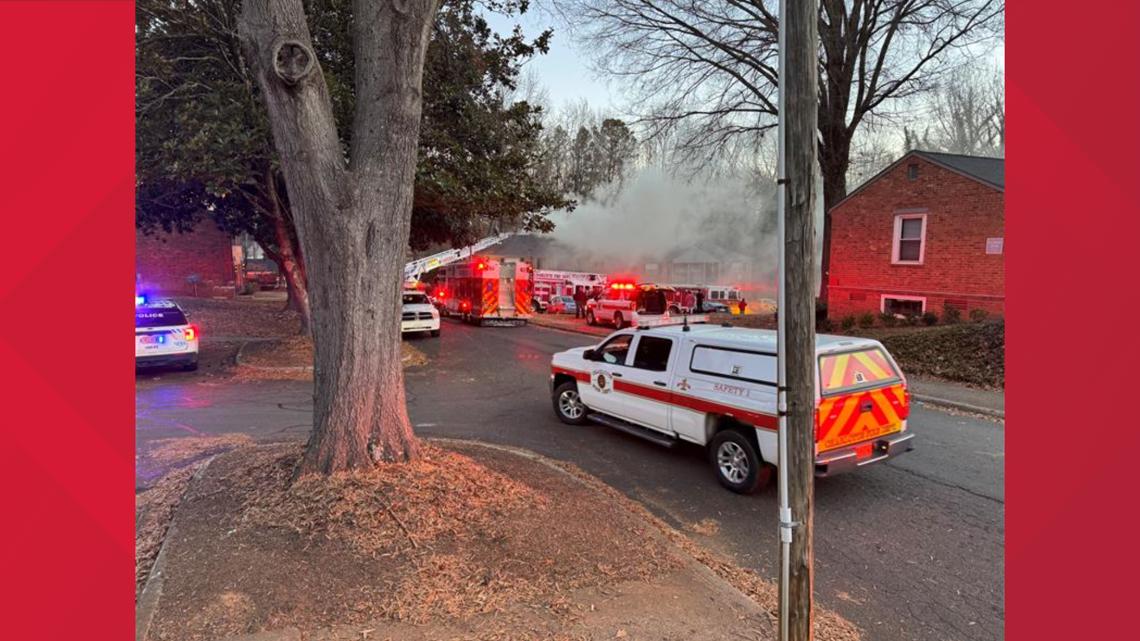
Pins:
x: 666, y: 320
x: 140, y: 299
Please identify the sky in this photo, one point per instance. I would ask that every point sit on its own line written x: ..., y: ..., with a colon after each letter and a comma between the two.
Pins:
x: 564, y: 72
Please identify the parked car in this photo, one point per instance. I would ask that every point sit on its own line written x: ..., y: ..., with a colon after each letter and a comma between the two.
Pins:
x: 715, y: 307
x: 716, y: 386
x: 562, y: 305
x: 164, y: 336
x: 419, y: 315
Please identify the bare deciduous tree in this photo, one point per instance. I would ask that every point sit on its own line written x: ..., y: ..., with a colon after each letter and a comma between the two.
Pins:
x: 352, y: 211
x: 712, y: 64
x: 968, y: 114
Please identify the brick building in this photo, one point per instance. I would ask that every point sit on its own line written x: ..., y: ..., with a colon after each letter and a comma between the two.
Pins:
x: 197, y: 263
x: 926, y: 231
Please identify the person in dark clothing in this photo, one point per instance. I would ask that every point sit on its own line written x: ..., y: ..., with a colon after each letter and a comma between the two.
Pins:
x: 700, y: 303
x: 579, y: 302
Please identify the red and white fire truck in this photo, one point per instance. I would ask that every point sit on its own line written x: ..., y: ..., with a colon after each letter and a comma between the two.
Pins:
x: 487, y: 290
x: 714, y: 296
x: 549, y: 282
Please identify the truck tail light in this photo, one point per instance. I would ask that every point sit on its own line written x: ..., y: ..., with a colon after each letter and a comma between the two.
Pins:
x: 190, y: 333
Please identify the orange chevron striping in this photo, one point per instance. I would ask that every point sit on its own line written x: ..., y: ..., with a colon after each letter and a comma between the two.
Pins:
x: 846, y: 419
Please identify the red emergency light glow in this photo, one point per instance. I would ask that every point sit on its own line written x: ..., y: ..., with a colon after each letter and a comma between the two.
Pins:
x: 190, y: 333
x: 622, y: 286
x: 480, y: 265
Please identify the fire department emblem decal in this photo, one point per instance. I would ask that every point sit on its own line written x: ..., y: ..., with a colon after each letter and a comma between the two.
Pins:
x: 684, y: 385
x: 602, y: 381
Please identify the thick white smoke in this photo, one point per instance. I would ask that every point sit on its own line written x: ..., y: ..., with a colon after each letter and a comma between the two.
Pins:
x: 654, y: 216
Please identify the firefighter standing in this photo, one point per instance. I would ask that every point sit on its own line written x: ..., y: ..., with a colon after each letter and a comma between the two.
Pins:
x: 579, y: 302
x: 700, y: 302
x: 743, y: 305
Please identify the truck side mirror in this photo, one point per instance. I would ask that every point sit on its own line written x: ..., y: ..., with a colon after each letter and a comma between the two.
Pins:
x: 590, y: 355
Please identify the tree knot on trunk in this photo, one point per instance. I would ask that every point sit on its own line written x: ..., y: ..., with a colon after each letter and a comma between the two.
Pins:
x: 293, y: 61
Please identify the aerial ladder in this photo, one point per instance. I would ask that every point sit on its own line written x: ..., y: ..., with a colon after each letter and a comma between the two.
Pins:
x: 418, y: 267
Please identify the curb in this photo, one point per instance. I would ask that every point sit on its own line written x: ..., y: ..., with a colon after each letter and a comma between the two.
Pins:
x: 147, y: 604
x: 961, y: 407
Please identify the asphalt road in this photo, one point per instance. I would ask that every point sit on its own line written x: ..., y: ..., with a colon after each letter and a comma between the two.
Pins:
x: 908, y: 549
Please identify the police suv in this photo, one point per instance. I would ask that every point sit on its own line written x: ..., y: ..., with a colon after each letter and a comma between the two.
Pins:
x: 715, y: 386
x: 163, y: 335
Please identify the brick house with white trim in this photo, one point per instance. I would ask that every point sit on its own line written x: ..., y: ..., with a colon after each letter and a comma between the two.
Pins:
x: 926, y: 231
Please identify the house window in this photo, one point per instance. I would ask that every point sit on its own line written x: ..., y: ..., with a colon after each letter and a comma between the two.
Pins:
x: 910, y: 239
x: 912, y: 171
x: 903, y: 305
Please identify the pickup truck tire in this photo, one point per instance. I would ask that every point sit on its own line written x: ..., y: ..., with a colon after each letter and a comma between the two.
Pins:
x: 737, y: 462
x: 435, y: 333
x: 568, y: 405
x: 590, y: 320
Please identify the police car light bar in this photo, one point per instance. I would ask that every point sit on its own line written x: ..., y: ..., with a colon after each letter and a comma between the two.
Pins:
x: 140, y: 299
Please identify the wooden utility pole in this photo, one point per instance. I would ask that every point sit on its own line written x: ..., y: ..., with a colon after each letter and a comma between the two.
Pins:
x: 796, y: 351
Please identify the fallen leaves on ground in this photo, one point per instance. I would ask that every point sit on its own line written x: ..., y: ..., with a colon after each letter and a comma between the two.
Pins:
x: 154, y: 506
x: 444, y: 538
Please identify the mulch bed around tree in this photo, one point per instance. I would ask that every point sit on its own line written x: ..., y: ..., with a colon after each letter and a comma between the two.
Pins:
x: 443, y: 539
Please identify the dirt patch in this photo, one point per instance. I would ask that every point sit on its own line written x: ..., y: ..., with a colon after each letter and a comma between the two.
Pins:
x: 441, y: 540
x: 292, y: 359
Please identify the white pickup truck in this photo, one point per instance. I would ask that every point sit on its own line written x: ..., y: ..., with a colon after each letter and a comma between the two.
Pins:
x: 716, y: 386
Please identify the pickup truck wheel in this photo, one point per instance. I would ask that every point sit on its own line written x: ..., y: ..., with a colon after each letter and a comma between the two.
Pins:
x: 435, y: 333
x: 619, y: 322
x: 568, y: 405
x: 737, y: 462
x: 590, y: 318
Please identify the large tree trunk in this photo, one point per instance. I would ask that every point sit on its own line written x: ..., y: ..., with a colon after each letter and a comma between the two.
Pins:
x: 352, y: 217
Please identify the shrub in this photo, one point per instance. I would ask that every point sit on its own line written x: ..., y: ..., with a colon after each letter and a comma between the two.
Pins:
x: 848, y: 323
x: 978, y: 315
x: 866, y: 320
x: 929, y: 318
x: 824, y: 325
x: 888, y: 320
x: 950, y: 314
